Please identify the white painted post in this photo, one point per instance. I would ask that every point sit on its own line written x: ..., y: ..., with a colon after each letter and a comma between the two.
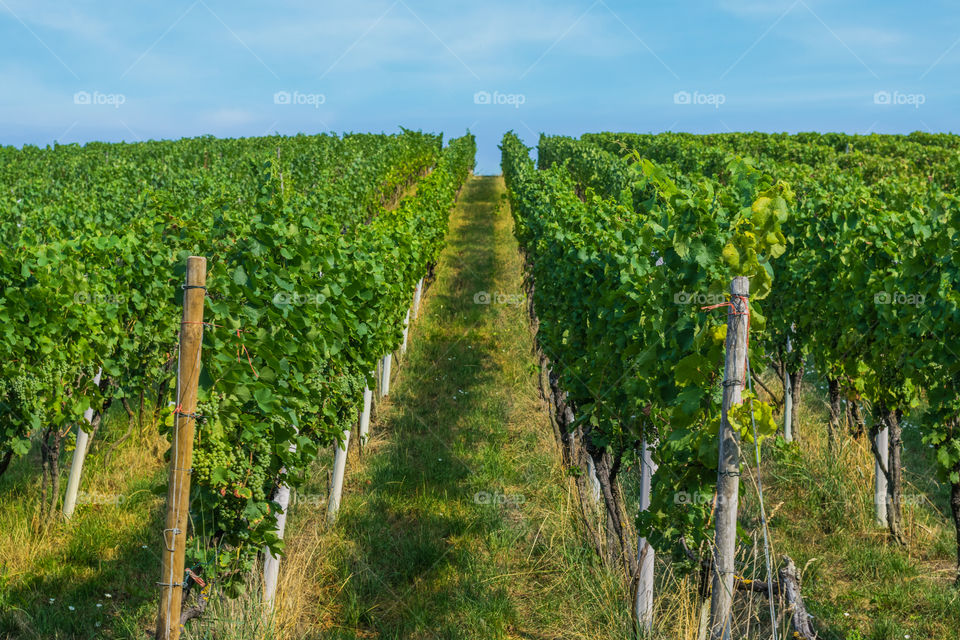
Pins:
x: 385, y: 384
x: 880, y: 479
x: 271, y: 566
x: 416, y: 298
x: 339, y: 468
x: 79, y: 454
x: 406, y: 329
x: 787, y: 400
x: 365, y: 415
x: 594, y: 480
x: 644, y: 605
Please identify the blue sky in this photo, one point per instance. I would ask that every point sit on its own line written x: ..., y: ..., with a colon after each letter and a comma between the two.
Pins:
x: 105, y: 70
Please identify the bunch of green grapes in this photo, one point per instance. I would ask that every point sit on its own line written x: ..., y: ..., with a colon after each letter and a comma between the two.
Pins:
x: 339, y: 393
x: 237, y: 470
x: 210, y: 454
x: 26, y: 394
x: 22, y: 395
x: 259, y: 476
x: 214, y: 456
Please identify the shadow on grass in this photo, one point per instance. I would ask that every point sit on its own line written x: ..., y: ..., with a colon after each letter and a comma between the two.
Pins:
x: 100, y: 584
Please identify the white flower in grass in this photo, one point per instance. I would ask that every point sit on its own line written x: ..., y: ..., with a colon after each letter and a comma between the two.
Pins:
x: 71, y: 607
x: 99, y: 605
x: 108, y: 595
x: 52, y: 600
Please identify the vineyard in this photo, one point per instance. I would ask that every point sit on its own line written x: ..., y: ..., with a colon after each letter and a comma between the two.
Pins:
x: 739, y: 417
x: 849, y: 248
x: 314, y: 253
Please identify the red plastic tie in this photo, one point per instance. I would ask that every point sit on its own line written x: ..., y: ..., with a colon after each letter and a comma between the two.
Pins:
x: 734, y: 312
x: 196, y: 578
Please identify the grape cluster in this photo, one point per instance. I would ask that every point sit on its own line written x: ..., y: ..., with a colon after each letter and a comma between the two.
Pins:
x: 259, y: 479
x: 338, y: 392
x: 211, y: 449
x: 215, y: 453
x: 27, y: 393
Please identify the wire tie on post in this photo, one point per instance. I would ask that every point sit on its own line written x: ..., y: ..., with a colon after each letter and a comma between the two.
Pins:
x: 166, y: 544
x: 196, y: 416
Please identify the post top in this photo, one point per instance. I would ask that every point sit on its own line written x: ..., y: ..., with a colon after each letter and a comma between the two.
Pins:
x: 196, y: 270
x: 740, y: 286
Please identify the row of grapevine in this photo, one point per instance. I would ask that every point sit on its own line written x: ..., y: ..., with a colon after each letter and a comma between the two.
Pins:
x: 313, y: 259
x: 308, y: 363
x: 879, y: 326
x: 869, y: 236
x: 94, y: 238
x: 640, y: 371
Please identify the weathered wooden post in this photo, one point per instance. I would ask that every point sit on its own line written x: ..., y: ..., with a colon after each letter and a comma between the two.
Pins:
x: 728, y: 471
x: 181, y: 453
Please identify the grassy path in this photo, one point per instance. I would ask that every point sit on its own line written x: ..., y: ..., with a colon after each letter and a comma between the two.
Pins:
x: 456, y: 520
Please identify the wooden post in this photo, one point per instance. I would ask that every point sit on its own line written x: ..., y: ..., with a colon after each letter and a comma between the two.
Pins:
x: 339, y: 469
x: 728, y: 471
x: 416, y: 298
x: 181, y: 451
x: 643, y: 607
x: 79, y: 454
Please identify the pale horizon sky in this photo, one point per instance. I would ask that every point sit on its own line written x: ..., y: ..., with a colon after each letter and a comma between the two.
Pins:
x: 82, y: 71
